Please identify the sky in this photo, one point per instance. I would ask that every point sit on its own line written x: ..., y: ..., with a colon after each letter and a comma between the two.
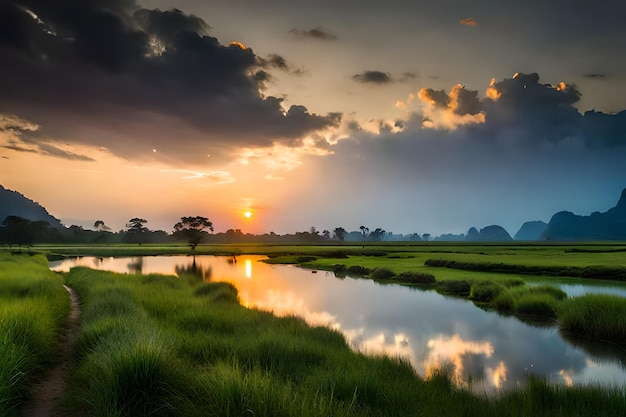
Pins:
x: 411, y: 116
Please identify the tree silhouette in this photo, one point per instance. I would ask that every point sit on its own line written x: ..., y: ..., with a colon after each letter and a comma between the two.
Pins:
x: 100, y: 226
x: 364, y: 230
x: 339, y: 233
x: 135, y: 231
x: 191, y: 229
x: 378, y: 234
x: 18, y: 231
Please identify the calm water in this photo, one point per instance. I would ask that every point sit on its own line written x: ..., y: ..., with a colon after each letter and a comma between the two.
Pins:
x: 483, y: 349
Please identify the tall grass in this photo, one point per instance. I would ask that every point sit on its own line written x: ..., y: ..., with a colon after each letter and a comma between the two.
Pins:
x: 597, y: 316
x: 33, y: 308
x: 161, y: 346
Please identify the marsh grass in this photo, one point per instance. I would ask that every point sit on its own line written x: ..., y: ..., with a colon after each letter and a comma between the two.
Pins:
x: 595, y: 316
x: 33, y: 308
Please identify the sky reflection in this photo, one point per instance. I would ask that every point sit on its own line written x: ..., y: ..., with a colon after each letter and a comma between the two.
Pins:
x: 480, y: 349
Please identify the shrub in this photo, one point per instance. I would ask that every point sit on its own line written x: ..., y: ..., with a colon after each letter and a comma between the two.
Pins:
x: 485, y: 291
x: 382, y: 273
x: 359, y: 270
x: 459, y: 288
x: 416, y: 277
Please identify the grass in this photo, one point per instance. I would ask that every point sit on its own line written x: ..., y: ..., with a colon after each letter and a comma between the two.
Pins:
x: 33, y: 308
x: 597, y: 316
x: 162, y: 346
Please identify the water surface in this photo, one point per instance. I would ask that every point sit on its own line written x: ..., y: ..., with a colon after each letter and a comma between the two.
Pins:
x: 482, y: 349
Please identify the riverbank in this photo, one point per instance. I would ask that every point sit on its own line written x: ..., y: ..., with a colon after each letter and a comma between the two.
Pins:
x: 179, y: 347
x: 204, y: 354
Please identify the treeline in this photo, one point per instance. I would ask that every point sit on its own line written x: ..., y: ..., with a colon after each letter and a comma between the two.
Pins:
x: 18, y: 231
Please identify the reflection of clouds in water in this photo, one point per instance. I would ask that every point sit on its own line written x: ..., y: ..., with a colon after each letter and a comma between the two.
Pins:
x: 497, y: 375
x: 446, y: 350
x: 394, y: 345
x: 287, y: 303
x: 489, y: 350
x: 567, y: 377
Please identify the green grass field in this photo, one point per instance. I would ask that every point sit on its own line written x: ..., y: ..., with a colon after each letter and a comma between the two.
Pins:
x: 167, y: 346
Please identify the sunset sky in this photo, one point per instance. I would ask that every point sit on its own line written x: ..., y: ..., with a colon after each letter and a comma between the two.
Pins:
x: 427, y: 117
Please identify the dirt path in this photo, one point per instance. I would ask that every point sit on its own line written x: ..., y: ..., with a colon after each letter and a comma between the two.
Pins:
x: 47, y: 393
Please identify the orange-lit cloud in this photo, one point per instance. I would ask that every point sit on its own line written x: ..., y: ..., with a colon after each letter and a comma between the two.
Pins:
x: 469, y: 21
x: 216, y: 177
x: 450, y: 110
x: 492, y: 92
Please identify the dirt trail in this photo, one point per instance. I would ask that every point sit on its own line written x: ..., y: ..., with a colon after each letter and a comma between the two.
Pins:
x: 48, y: 392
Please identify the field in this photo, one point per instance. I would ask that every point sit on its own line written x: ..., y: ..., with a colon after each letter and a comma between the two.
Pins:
x: 167, y: 346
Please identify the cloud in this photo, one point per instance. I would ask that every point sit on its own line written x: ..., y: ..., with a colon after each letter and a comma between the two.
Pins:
x: 278, y: 62
x: 596, y: 76
x: 112, y: 74
x: 531, y: 144
x: 19, y: 135
x: 451, y: 110
x: 216, y: 177
x: 469, y: 21
x: 373, y: 77
x: 317, y: 33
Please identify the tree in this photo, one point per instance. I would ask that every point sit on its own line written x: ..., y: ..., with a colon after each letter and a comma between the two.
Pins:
x: 100, y: 226
x: 191, y: 229
x: 364, y: 230
x: 339, y: 233
x: 426, y: 237
x: 377, y: 235
x: 17, y: 231
x: 326, y: 234
x: 135, y: 230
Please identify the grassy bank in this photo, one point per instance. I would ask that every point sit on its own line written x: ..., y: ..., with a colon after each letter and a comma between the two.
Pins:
x: 155, y: 345
x: 616, y: 273
x: 33, y: 308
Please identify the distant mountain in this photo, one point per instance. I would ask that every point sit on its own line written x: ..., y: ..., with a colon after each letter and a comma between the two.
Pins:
x: 531, y: 230
x: 13, y: 203
x: 492, y: 233
x: 610, y: 225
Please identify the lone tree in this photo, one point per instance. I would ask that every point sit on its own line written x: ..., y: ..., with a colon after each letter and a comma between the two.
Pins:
x: 191, y: 229
x: 135, y: 231
x: 100, y: 226
x: 339, y: 233
x: 364, y: 230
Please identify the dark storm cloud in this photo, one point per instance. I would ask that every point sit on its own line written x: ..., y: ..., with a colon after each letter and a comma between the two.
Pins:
x: 317, y: 33
x: 82, y: 68
x: 373, y: 77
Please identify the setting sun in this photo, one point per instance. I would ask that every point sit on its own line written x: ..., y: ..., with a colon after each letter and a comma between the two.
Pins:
x: 247, y: 214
